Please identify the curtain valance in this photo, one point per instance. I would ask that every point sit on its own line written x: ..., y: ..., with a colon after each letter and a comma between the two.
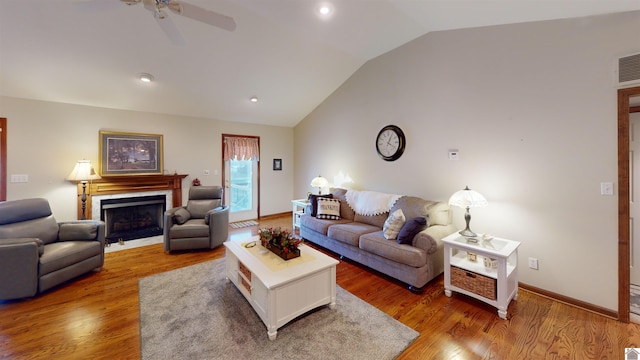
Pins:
x: 241, y: 148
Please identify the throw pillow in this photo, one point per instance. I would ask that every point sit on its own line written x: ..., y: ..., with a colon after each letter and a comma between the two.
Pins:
x: 314, y: 202
x: 181, y: 216
x: 328, y: 209
x: 411, y: 228
x: 393, y: 225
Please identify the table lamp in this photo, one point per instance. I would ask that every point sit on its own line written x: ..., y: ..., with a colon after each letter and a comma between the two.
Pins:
x: 467, y: 198
x: 319, y: 182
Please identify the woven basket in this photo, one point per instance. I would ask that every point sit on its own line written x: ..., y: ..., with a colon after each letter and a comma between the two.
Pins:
x: 476, y: 283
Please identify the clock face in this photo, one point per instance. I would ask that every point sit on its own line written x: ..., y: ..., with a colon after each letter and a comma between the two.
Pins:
x: 390, y: 143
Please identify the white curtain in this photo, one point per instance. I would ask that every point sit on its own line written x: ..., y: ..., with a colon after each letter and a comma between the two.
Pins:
x: 241, y: 148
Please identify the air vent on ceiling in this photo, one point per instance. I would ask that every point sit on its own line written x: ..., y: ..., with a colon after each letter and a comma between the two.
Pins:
x: 629, y: 69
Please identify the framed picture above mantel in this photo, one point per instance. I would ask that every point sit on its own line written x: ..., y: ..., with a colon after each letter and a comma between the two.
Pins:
x: 124, y: 153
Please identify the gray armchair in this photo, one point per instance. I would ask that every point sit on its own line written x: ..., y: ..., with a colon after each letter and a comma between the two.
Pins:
x: 38, y: 253
x: 202, y: 224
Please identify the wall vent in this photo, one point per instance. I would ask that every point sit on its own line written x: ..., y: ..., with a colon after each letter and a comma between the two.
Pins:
x: 629, y: 69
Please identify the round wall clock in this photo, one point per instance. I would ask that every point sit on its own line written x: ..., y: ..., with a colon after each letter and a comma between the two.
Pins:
x: 390, y: 143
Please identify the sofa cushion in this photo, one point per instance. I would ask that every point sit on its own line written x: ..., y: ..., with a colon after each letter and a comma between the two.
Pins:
x: 319, y: 225
x: 59, y: 255
x: 313, y: 199
x: 45, y: 229
x: 350, y: 233
x: 346, y: 212
x: 87, y: 230
x: 199, y: 208
x: 328, y: 209
x: 439, y: 214
x: 393, y: 225
x: 411, y: 228
x: 191, y: 229
x: 23, y: 210
x: 375, y: 220
x: 181, y: 216
x: 375, y: 243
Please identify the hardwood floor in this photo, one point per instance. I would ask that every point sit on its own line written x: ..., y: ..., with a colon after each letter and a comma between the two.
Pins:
x: 97, y: 316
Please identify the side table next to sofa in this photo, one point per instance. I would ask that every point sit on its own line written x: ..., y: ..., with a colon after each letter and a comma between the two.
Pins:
x: 486, y: 270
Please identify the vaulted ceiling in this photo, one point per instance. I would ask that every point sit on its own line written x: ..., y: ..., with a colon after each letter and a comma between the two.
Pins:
x: 283, y: 52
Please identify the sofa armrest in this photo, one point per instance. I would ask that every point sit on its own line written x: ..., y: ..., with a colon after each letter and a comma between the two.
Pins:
x: 19, y: 241
x: 218, y: 225
x: 19, y: 259
x: 430, y: 239
x: 79, y: 230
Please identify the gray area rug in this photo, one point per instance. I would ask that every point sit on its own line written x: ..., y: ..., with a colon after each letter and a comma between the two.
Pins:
x: 193, y: 313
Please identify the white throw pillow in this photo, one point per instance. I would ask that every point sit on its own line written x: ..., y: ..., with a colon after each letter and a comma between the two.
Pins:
x: 393, y: 225
x: 328, y: 209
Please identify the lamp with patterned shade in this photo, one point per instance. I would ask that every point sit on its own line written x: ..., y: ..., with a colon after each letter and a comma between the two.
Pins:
x: 319, y: 182
x: 466, y: 199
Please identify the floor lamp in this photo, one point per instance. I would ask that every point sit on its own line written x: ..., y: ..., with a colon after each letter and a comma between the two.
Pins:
x: 83, y: 172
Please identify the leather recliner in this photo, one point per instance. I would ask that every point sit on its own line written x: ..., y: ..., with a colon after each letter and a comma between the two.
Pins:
x: 38, y: 253
x: 202, y: 224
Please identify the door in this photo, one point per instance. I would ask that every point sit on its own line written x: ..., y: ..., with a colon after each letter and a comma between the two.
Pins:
x: 3, y: 159
x: 241, y: 174
x: 241, y: 189
x: 634, y: 197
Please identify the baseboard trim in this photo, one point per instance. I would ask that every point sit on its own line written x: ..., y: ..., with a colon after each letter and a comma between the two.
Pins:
x: 571, y: 301
x: 272, y: 216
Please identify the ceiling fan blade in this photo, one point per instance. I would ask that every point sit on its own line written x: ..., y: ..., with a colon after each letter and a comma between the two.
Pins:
x: 149, y: 5
x: 170, y: 29
x: 203, y: 15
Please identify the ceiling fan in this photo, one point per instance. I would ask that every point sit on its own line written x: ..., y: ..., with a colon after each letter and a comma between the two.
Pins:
x: 185, y: 9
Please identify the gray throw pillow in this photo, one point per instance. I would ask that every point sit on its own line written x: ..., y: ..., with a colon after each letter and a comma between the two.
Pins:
x: 181, y: 216
x: 410, y: 229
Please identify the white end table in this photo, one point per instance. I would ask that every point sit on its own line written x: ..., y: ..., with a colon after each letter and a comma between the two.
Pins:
x: 469, y: 276
x: 298, y: 207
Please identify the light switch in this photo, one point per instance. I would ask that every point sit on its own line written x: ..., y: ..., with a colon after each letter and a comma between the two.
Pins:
x: 606, y: 188
x: 454, y: 155
x: 19, y: 178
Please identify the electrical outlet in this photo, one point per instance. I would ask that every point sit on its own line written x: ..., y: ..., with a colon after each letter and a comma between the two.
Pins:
x: 533, y: 263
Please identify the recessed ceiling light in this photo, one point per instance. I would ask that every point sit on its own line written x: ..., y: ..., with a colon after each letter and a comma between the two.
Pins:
x: 254, y: 99
x: 144, y: 77
x: 325, y: 10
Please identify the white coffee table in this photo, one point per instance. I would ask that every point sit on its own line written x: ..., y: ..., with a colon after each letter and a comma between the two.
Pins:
x: 279, y: 290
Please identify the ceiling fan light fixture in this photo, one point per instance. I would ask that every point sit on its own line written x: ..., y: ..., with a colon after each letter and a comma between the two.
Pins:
x: 144, y: 77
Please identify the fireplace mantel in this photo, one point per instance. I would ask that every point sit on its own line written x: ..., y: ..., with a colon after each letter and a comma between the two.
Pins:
x: 131, y: 184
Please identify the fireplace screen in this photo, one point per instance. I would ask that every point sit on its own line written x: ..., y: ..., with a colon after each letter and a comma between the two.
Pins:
x: 133, y: 218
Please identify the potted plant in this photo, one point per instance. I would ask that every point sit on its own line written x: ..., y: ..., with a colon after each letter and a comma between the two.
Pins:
x: 280, y: 242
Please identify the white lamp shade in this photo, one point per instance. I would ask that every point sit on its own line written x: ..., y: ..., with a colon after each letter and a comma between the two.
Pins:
x: 319, y: 182
x: 467, y: 198
x: 83, y: 171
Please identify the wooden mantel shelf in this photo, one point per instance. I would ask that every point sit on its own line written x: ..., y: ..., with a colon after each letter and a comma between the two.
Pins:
x: 131, y: 184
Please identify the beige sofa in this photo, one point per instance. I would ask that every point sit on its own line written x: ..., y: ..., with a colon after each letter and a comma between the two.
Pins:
x: 361, y: 239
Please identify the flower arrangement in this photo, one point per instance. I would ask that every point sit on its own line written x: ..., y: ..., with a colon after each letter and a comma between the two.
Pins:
x: 280, y: 241
x: 195, y: 182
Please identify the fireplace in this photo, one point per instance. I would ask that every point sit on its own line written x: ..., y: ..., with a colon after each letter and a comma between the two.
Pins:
x: 128, y: 218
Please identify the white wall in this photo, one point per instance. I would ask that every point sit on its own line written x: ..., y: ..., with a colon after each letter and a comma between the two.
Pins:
x: 531, y: 108
x: 46, y: 139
